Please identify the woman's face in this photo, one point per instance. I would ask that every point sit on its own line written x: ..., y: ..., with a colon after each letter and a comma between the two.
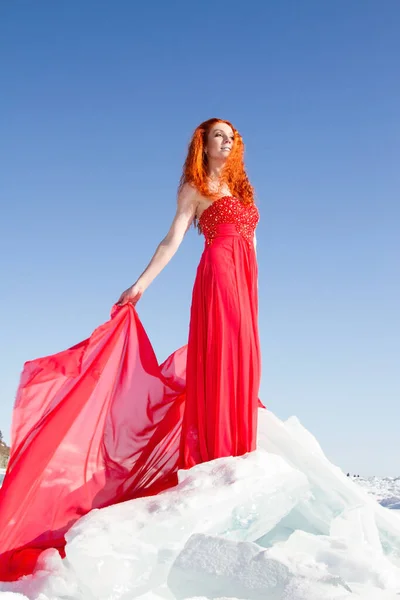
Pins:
x: 219, y: 141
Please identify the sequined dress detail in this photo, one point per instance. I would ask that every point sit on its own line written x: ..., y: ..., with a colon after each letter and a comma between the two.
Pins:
x: 229, y: 210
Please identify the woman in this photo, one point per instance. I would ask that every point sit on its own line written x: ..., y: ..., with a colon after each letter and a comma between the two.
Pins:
x: 103, y: 422
x: 223, y: 368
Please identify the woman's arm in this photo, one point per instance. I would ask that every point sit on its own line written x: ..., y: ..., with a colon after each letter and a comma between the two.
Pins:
x: 185, y: 212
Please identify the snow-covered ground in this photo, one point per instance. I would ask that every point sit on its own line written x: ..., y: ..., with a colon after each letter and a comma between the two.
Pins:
x: 386, y: 490
x: 281, y: 523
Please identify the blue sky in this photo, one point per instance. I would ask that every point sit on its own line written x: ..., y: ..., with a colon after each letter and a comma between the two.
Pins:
x: 99, y: 101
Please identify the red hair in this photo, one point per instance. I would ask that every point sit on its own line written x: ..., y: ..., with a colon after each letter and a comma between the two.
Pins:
x: 195, y: 169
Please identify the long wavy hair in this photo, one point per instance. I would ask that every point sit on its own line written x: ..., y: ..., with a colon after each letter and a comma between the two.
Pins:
x: 195, y: 169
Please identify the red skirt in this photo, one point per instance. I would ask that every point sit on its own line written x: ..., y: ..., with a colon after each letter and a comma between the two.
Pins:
x: 223, y: 363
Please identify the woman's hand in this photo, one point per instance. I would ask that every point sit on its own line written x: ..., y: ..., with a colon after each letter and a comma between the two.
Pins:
x: 132, y: 294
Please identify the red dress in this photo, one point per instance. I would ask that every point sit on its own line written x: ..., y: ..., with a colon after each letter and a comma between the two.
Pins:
x: 103, y: 422
x: 223, y: 363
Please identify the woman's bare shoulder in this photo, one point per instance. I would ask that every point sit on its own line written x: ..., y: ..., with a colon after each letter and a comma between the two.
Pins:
x: 188, y: 195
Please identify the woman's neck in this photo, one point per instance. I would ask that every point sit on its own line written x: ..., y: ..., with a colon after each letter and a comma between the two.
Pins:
x: 214, y: 179
x: 215, y: 171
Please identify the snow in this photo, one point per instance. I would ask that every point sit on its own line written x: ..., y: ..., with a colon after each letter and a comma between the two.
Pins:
x: 386, y: 490
x: 281, y: 523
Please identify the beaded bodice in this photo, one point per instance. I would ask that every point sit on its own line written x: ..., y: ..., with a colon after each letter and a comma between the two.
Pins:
x: 229, y: 209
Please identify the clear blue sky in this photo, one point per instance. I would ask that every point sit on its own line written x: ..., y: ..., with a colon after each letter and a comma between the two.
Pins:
x: 98, y: 102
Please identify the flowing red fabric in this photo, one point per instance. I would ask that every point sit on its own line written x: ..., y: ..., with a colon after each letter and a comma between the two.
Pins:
x: 103, y: 422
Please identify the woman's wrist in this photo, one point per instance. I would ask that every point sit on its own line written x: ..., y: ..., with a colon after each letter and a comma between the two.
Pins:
x: 142, y: 283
